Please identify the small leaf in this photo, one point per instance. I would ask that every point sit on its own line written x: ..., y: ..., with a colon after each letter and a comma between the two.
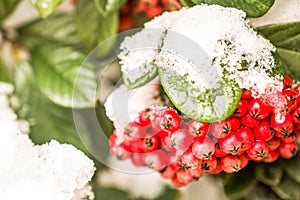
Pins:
x: 284, y: 35
x: 260, y: 192
x: 290, y: 60
x: 238, y: 184
x: 287, y: 189
x: 292, y: 167
x: 93, y: 28
x: 58, y: 29
x: 6, y: 8
x: 253, y: 8
x: 107, y: 6
x: 268, y: 174
x: 46, y: 7
x: 56, y: 69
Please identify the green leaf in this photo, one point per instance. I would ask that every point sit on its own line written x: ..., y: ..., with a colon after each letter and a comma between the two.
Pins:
x: 290, y: 60
x: 287, y: 189
x: 209, y: 106
x: 253, y: 8
x: 292, y: 167
x: 283, y: 35
x: 6, y: 7
x: 109, y: 193
x: 268, y: 174
x: 238, y: 184
x: 107, y: 6
x: 260, y: 192
x: 56, y: 69
x: 46, y: 7
x: 93, y: 28
x: 58, y: 29
x: 187, y: 3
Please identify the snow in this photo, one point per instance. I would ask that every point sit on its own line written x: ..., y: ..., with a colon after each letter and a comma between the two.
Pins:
x: 28, y: 171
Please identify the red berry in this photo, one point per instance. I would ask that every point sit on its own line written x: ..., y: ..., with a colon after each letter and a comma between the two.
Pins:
x: 143, y: 119
x: 289, y: 138
x: 282, y: 123
x: 149, y: 144
x: 297, y: 91
x: 271, y: 157
x: 166, y: 119
x: 218, y: 169
x: 274, y: 143
x: 218, y: 152
x: 231, y: 144
x: 287, y: 83
x: 134, y: 130
x: 154, y: 11
x: 210, y: 165
x: 132, y: 144
x: 288, y: 150
x: 157, y: 160
x: 203, y: 149
x: 125, y: 23
x: 189, y: 160
x: 296, y: 116
x: 231, y: 164
x: 258, y: 110
x: 176, y: 182
x: 292, y: 99
x: 246, y: 94
x: 119, y: 152
x: 244, y: 160
x: 184, y: 176
x: 258, y: 151
x: 248, y: 121
x: 241, y: 109
x: 168, y: 173
x: 247, y: 137
x: 181, y: 140
x: 137, y: 159
x: 198, y: 129
x: 222, y: 129
x: 196, y: 172
x: 263, y: 131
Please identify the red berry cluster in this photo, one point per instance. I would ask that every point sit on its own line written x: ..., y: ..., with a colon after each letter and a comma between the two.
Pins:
x: 183, y: 149
x: 143, y: 10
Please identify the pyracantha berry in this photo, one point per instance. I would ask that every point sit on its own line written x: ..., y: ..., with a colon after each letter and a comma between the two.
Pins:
x: 210, y: 165
x: 271, y: 157
x: 189, y: 160
x: 231, y: 144
x: 289, y: 138
x: 167, y: 173
x: 241, y: 109
x: 166, y: 119
x: 246, y: 94
x: 218, y: 152
x: 247, y: 138
x: 258, y: 110
x: 274, y: 143
x: 119, y: 152
x: 263, y: 131
x: 143, y: 119
x: 149, y: 144
x: 198, y: 129
x: 218, y: 169
x: 258, y: 151
x: 292, y: 99
x: 137, y: 159
x: 181, y: 140
x: 157, y: 160
x: 231, y: 164
x: 248, y: 121
x: 196, y: 172
x: 244, y: 160
x: 282, y: 123
x: 184, y: 176
x: 287, y: 83
x: 203, y: 150
x: 134, y: 130
x: 222, y: 129
x: 296, y: 116
x: 288, y: 150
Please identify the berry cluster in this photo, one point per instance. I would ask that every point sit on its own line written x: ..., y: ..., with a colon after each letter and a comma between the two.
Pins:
x: 143, y: 10
x: 183, y: 149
